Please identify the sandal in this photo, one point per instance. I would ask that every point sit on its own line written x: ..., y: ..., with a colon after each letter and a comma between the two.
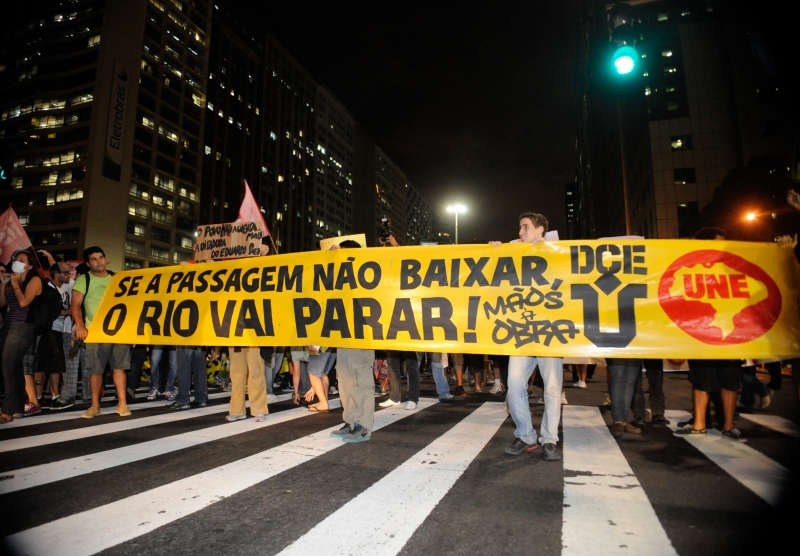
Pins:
x: 5, y: 419
x: 318, y: 410
x: 689, y: 429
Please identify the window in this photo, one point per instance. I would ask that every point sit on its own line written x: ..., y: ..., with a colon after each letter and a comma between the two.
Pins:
x: 136, y: 229
x: 133, y: 264
x: 140, y: 191
x: 684, y: 175
x: 681, y: 142
x: 186, y: 243
x: 207, y: 150
x: 167, y: 184
x: 670, y: 70
x: 168, y: 132
x: 672, y: 105
x: 137, y: 209
x: 161, y: 216
x: 148, y: 122
x: 159, y: 253
x: 135, y: 247
x: 72, y: 194
x: 647, y: 91
x: 187, y: 193
x: 94, y: 41
x: 662, y: 16
x: 163, y: 201
x: 688, y: 217
x: 666, y: 53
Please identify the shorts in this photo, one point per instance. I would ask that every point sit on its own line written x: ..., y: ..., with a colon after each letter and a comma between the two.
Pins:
x: 49, y: 357
x: 709, y: 375
x: 318, y: 364
x: 117, y: 356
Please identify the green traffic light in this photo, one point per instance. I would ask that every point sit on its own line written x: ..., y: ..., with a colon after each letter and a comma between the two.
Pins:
x: 625, y: 59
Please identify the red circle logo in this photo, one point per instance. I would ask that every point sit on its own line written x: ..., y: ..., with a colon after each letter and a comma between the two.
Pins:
x: 719, y: 298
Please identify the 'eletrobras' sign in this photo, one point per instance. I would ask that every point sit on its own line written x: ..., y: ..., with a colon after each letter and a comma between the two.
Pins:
x: 120, y: 88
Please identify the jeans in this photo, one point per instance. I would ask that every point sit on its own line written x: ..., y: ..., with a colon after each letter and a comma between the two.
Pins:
x: 15, y: 340
x: 138, y: 355
x: 70, y: 389
x: 752, y: 387
x: 394, y: 360
x: 624, y: 374
x: 155, y: 360
x: 271, y: 366
x: 192, y: 365
x: 437, y: 368
x: 520, y: 369
x: 655, y: 380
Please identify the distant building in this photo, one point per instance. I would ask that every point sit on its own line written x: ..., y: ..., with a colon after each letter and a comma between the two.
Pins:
x: 571, y: 210
x: 131, y: 122
x: 698, y: 107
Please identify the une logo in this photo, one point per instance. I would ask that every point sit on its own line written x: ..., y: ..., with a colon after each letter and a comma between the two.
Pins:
x: 719, y: 298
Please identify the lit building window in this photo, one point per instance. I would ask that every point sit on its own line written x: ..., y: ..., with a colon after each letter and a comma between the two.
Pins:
x: 666, y: 53
x: 662, y: 16
x: 94, y: 41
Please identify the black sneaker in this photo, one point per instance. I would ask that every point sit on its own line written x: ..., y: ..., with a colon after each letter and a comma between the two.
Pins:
x: 638, y: 421
x: 659, y: 419
x: 460, y: 392
x: 342, y: 432
x: 59, y: 404
x: 549, y: 452
x: 199, y: 404
x: 447, y: 398
x: 519, y: 446
x: 175, y: 406
x: 682, y: 424
x: 734, y: 434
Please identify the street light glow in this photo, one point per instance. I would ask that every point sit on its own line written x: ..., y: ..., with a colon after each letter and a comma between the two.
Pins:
x: 751, y: 216
x: 458, y: 209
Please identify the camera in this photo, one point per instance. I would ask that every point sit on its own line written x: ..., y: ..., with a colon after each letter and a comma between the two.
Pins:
x: 385, y: 230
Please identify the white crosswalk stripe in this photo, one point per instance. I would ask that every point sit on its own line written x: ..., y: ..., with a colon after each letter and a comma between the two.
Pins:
x: 775, y: 423
x: 606, y: 511
x: 765, y: 477
x: 73, y: 467
x: 67, y: 415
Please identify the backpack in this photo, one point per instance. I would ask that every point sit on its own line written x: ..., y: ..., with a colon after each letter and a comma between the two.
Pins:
x: 88, y: 277
x: 47, y: 307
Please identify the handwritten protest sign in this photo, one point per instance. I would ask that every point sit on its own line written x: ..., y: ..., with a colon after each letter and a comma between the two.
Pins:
x: 613, y: 298
x: 328, y: 242
x: 224, y: 241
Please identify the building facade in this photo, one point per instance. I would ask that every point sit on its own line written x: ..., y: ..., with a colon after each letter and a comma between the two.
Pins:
x: 697, y: 107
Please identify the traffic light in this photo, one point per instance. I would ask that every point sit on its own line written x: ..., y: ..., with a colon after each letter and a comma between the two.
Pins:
x: 620, y: 21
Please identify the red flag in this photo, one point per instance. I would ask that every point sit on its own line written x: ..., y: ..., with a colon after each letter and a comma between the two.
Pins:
x: 12, y: 235
x: 250, y: 211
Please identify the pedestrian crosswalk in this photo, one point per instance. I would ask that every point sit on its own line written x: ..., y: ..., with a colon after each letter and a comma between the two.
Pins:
x: 607, y: 508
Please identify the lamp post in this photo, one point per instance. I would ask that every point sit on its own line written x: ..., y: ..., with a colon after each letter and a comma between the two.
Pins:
x: 456, y: 209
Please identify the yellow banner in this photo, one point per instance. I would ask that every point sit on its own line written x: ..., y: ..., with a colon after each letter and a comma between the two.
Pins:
x: 627, y: 298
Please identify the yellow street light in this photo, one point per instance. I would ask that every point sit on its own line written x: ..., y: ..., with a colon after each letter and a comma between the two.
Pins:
x: 457, y: 209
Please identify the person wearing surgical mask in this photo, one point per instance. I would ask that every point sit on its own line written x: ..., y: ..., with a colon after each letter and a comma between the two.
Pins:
x: 18, y: 290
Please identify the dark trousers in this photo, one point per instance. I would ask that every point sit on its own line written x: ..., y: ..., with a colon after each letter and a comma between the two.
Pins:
x: 138, y: 356
x: 16, y: 339
x: 394, y: 360
x: 624, y: 374
x: 752, y: 387
x: 655, y: 379
x: 192, y: 365
x: 774, y: 370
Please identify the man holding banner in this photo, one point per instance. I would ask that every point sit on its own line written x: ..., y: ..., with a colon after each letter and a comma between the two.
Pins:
x: 532, y: 227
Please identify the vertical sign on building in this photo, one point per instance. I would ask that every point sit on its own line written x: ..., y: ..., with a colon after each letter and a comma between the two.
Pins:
x: 120, y: 89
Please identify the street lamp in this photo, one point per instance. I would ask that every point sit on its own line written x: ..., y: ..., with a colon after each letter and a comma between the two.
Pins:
x: 456, y: 209
x: 751, y: 216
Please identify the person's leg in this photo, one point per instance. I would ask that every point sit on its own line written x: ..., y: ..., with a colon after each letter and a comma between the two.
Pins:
x: 70, y: 390
x: 173, y: 369
x: 267, y: 354
x: 394, y: 362
x: 655, y: 380
x: 437, y: 368
x: 700, y: 403
x: 729, y: 405
x: 590, y: 371
x: 55, y: 383
x: 316, y: 370
x: 364, y: 388
x: 774, y: 370
x: 345, y: 374
x: 198, y: 366
x: 256, y: 386
x: 623, y: 383
x: 18, y: 339
x: 519, y: 371
x: 552, y: 371
x: 120, y: 377
x: 638, y: 405
x: 155, y: 363
x: 183, y: 355
x: 412, y: 370
x: 581, y: 372
x: 749, y: 384
x: 238, y: 376
x: 138, y: 355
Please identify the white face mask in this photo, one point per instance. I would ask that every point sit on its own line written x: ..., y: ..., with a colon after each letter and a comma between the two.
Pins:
x: 17, y: 267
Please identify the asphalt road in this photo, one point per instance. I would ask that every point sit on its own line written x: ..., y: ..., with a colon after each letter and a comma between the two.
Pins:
x: 431, y: 481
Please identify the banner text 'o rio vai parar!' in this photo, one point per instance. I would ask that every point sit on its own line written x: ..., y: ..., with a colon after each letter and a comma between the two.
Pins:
x: 627, y: 298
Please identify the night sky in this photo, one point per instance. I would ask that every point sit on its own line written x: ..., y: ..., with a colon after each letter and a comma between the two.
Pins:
x: 475, y: 101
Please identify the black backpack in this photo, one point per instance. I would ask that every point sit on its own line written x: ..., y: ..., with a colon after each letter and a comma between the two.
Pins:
x: 47, y: 307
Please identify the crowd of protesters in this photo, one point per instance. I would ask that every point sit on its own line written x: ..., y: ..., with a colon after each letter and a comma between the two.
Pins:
x: 42, y: 345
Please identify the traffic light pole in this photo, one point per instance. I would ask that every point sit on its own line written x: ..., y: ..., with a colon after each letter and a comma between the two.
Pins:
x: 624, y: 168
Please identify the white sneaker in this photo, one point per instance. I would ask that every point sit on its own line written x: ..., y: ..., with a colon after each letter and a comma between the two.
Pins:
x: 272, y: 398
x: 232, y: 418
x: 497, y: 388
x: 564, y: 398
x: 540, y: 401
x: 389, y: 403
x: 579, y: 384
x: 411, y: 405
x: 332, y: 391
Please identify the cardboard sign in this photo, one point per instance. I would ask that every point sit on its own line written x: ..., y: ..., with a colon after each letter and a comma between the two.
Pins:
x: 228, y: 241
x: 325, y: 244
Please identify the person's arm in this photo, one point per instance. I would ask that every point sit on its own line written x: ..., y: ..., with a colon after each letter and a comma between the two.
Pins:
x: 496, y: 243
x: 50, y: 260
x: 34, y: 288
x: 793, y: 198
x: 6, y: 278
x: 77, y: 315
